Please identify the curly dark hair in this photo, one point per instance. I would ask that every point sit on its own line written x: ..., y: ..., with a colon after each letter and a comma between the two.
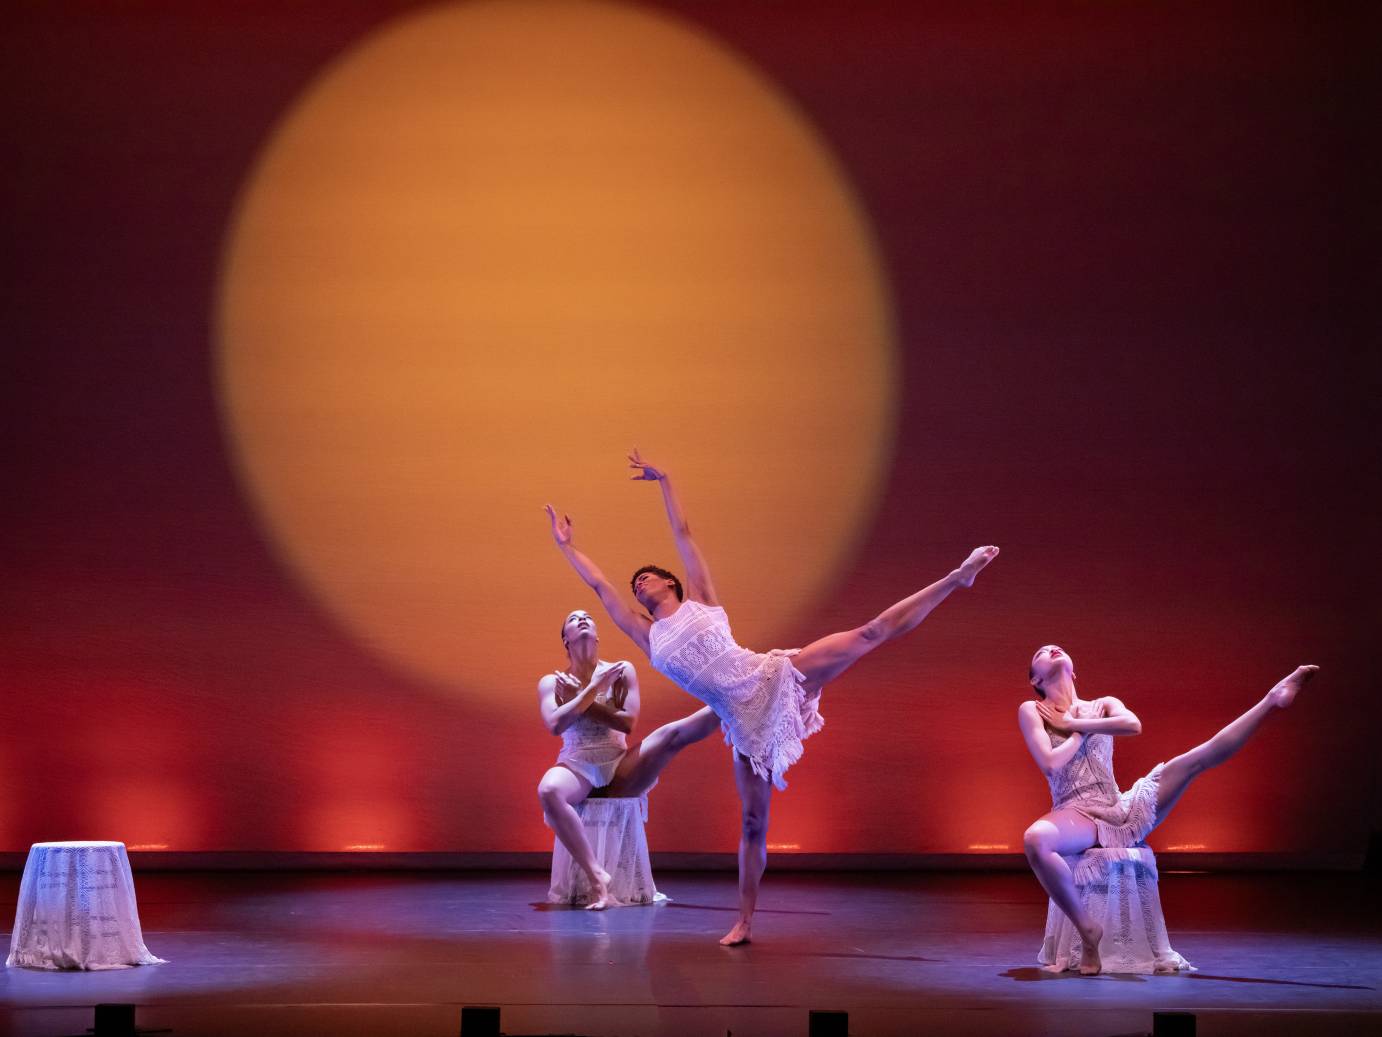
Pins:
x: 659, y: 571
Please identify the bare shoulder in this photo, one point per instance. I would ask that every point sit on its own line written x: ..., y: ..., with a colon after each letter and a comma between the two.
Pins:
x: 1027, y: 710
x: 547, y: 684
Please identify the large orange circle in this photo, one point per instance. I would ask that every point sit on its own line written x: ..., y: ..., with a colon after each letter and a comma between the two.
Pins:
x: 488, y: 250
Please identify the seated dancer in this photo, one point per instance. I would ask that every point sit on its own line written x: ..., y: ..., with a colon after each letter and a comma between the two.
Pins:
x: 767, y: 703
x: 593, y: 705
x: 1071, y: 741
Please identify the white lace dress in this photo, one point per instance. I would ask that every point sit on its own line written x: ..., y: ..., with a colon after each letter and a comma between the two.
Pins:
x: 1117, y: 878
x: 590, y: 748
x: 762, y: 705
x: 1086, y: 784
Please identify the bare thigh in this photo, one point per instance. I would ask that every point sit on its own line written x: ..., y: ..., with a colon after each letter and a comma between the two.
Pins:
x: 565, y: 784
x: 1065, y: 832
x: 643, y: 763
x: 826, y: 658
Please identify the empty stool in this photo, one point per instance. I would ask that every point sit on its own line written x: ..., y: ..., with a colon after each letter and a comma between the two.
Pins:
x: 77, y: 910
x: 614, y: 829
x: 1118, y: 888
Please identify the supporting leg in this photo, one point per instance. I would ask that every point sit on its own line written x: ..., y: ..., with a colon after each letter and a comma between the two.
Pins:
x: 755, y: 795
x: 1062, y: 833
x: 825, y: 659
x: 1177, y: 775
x: 559, y: 791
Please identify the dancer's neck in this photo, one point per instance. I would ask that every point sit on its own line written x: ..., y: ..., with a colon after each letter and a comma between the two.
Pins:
x: 1061, y: 693
x: 581, y: 662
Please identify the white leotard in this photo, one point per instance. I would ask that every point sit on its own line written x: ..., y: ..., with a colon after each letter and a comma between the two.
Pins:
x: 590, y: 748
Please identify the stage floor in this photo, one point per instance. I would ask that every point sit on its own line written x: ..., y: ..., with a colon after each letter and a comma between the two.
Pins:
x: 904, y: 954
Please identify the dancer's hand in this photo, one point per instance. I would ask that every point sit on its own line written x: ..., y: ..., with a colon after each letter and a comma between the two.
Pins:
x: 644, y: 469
x: 561, y: 526
x: 1055, y: 719
x: 567, y: 686
x: 608, y: 676
x: 619, y: 694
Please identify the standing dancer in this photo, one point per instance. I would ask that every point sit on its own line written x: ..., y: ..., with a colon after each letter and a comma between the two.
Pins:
x: 766, y: 703
x: 594, y: 705
x: 1071, y: 741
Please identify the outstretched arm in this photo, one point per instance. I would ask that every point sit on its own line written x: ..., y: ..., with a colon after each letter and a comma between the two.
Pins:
x: 1117, y: 719
x: 698, y: 584
x: 625, y: 618
x: 1049, y: 758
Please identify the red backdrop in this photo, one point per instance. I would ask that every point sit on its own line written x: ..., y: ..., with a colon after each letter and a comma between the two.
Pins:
x: 1128, y: 253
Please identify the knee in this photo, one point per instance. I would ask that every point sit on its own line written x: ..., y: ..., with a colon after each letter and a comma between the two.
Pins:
x: 549, y: 795
x: 755, y: 826
x: 874, y: 631
x: 1036, y: 840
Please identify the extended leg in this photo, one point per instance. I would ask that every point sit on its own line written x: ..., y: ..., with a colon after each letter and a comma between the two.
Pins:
x: 559, y: 791
x: 755, y: 794
x: 1065, y: 832
x: 1178, y: 773
x: 823, y: 660
x: 643, y: 763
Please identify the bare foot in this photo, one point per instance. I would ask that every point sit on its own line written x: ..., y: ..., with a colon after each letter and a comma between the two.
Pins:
x: 978, y: 558
x: 736, y: 936
x: 601, y: 898
x: 1284, y: 693
x: 1089, y: 952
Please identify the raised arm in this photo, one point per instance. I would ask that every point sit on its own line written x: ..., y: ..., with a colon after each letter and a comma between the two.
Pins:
x: 698, y: 583
x: 625, y: 618
x: 1048, y: 757
x: 1117, y: 719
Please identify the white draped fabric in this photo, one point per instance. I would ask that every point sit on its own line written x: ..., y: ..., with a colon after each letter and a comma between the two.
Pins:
x: 1118, y: 887
x: 614, y: 828
x: 77, y: 910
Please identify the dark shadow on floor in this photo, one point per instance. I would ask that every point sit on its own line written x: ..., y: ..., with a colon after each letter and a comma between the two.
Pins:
x: 757, y: 911
x: 1281, y: 982
x: 1035, y: 974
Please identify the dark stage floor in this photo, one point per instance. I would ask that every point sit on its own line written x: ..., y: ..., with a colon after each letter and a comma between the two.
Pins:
x: 904, y: 954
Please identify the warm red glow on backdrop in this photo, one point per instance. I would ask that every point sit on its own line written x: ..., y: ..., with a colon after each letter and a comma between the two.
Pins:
x: 1122, y: 247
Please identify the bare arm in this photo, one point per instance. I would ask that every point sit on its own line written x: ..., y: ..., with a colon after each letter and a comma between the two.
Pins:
x: 559, y: 715
x: 620, y: 710
x: 1117, y: 719
x: 698, y: 583
x: 1048, y: 757
x: 625, y: 618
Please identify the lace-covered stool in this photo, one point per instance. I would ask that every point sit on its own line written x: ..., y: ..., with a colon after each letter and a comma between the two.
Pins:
x: 614, y: 828
x: 77, y: 910
x: 1118, y: 888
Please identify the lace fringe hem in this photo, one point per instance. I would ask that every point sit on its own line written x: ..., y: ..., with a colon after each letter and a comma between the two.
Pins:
x: 771, y: 766
x: 1139, y: 815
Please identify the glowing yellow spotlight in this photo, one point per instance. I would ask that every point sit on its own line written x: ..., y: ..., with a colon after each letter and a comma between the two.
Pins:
x: 486, y: 252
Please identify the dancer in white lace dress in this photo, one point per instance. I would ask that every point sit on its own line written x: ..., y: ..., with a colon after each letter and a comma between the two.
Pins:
x: 767, y: 703
x: 594, y: 706
x: 1071, y: 740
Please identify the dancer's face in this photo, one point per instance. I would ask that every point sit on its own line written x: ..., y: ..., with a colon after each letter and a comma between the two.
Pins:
x: 650, y: 588
x: 578, y: 626
x: 1051, y: 661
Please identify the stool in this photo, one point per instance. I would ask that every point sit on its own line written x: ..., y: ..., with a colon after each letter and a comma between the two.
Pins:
x: 614, y: 829
x: 1118, y: 887
x: 77, y: 910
